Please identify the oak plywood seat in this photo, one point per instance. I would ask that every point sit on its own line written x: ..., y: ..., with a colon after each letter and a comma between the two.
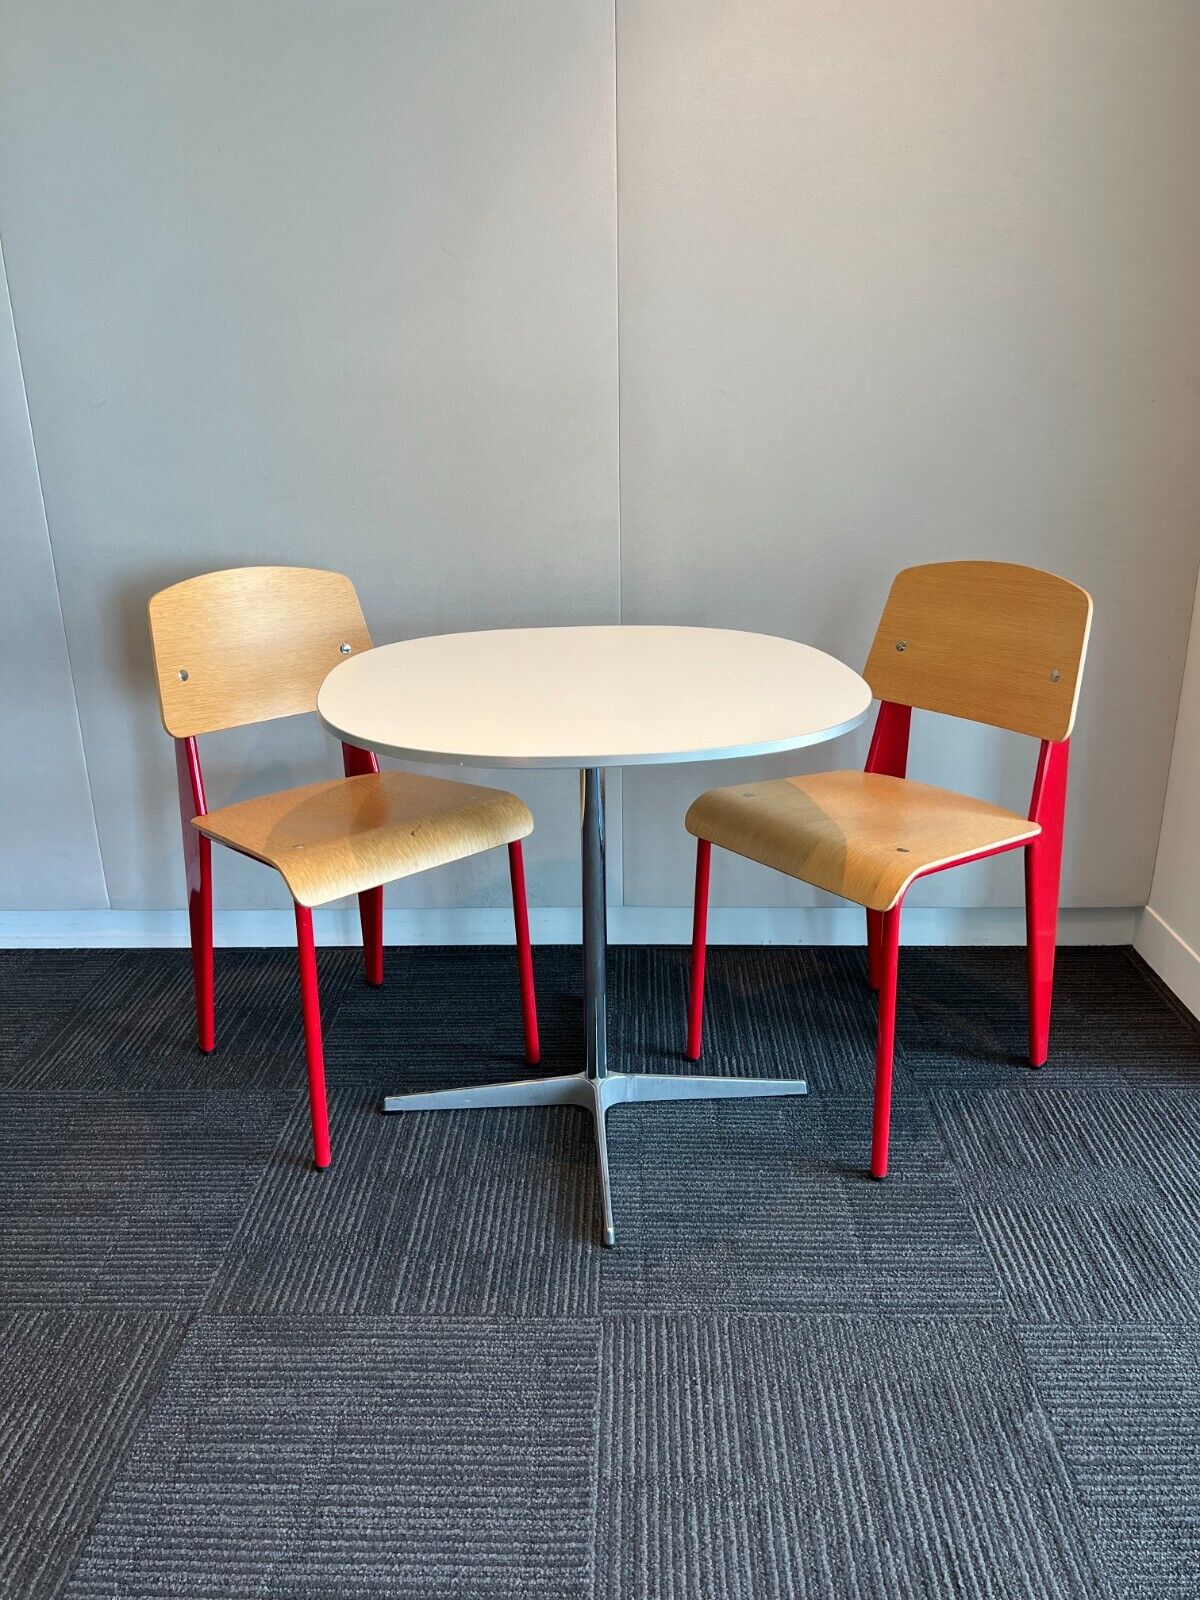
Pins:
x: 987, y: 641
x: 862, y: 835
x: 349, y: 834
x: 252, y: 644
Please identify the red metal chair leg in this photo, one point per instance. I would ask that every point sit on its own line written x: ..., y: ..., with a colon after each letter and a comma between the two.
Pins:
x: 1043, y: 864
x: 516, y: 872
x: 200, y: 921
x: 197, y: 866
x: 313, y: 1042
x: 355, y: 763
x: 370, y: 915
x: 874, y: 935
x: 699, y: 949
x: 1041, y: 928
x: 889, y: 964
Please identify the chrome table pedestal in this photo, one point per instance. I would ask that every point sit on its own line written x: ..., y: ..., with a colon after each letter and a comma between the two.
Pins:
x: 596, y: 1088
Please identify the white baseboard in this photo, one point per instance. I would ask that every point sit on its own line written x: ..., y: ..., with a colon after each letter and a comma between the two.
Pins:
x: 1176, y: 963
x: 997, y: 925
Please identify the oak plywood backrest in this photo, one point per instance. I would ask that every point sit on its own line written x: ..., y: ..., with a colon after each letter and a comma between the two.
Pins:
x: 250, y: 644
x: 986, y: 640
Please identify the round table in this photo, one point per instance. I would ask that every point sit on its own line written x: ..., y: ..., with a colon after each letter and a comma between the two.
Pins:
x: 591, y: 698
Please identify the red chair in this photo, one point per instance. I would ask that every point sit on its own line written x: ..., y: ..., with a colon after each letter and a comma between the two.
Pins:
x: 983, y: 640
x: 255, y: 643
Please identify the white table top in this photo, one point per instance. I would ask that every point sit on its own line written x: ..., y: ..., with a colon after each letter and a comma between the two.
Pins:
x: 590, y: 697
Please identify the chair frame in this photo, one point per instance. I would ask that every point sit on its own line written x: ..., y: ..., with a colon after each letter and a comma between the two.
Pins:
x: 888, y: 755
x: 947, y: 673
x: 330, y: 597
x: 197, y: 857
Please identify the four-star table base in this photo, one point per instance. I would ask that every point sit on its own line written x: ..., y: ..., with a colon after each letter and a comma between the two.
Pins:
x: 595, y: 1089
x: 596, y: 1095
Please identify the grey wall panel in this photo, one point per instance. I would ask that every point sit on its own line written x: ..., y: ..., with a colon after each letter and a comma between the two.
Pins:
x: 336, y: 283
x: 323, y: 283
x: 903, y: 281
x: 49, y: 856
x: 1175, y: 893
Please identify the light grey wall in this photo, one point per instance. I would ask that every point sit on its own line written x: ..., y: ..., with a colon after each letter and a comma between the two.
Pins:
x: 327, y: 284
x: 1175, y: 893
x: 899, y: 281
x: 49, y: 855
x: 337, y: 283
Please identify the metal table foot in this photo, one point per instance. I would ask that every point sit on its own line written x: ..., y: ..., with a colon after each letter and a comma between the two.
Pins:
x: 597, y: 1095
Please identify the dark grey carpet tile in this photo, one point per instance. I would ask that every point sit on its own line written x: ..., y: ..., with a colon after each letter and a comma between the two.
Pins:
x: 1144, y: 973
x: 1124, y: 1404
x: 765, y: 1457
x: 979, y: 1064
x: 1084, y: 1202
x: 1060, y: 1186
x: 1101, y: 1137
x: 1102, y: 1130
x: 72, y: 1392
x: 722, y: 1205
x: 456, y: 1213
x: 920, y: 1251
x: 1112, y: 1262
x: 963, y: 1020
x: 134, y: 1030
x: 725, y: 1205
x: 330, y: 1459
x: 444, y: 1017
x: 776, y: 1012
x: 125, y: 1203
x: 37, y: 988
x: 913, y: 1234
